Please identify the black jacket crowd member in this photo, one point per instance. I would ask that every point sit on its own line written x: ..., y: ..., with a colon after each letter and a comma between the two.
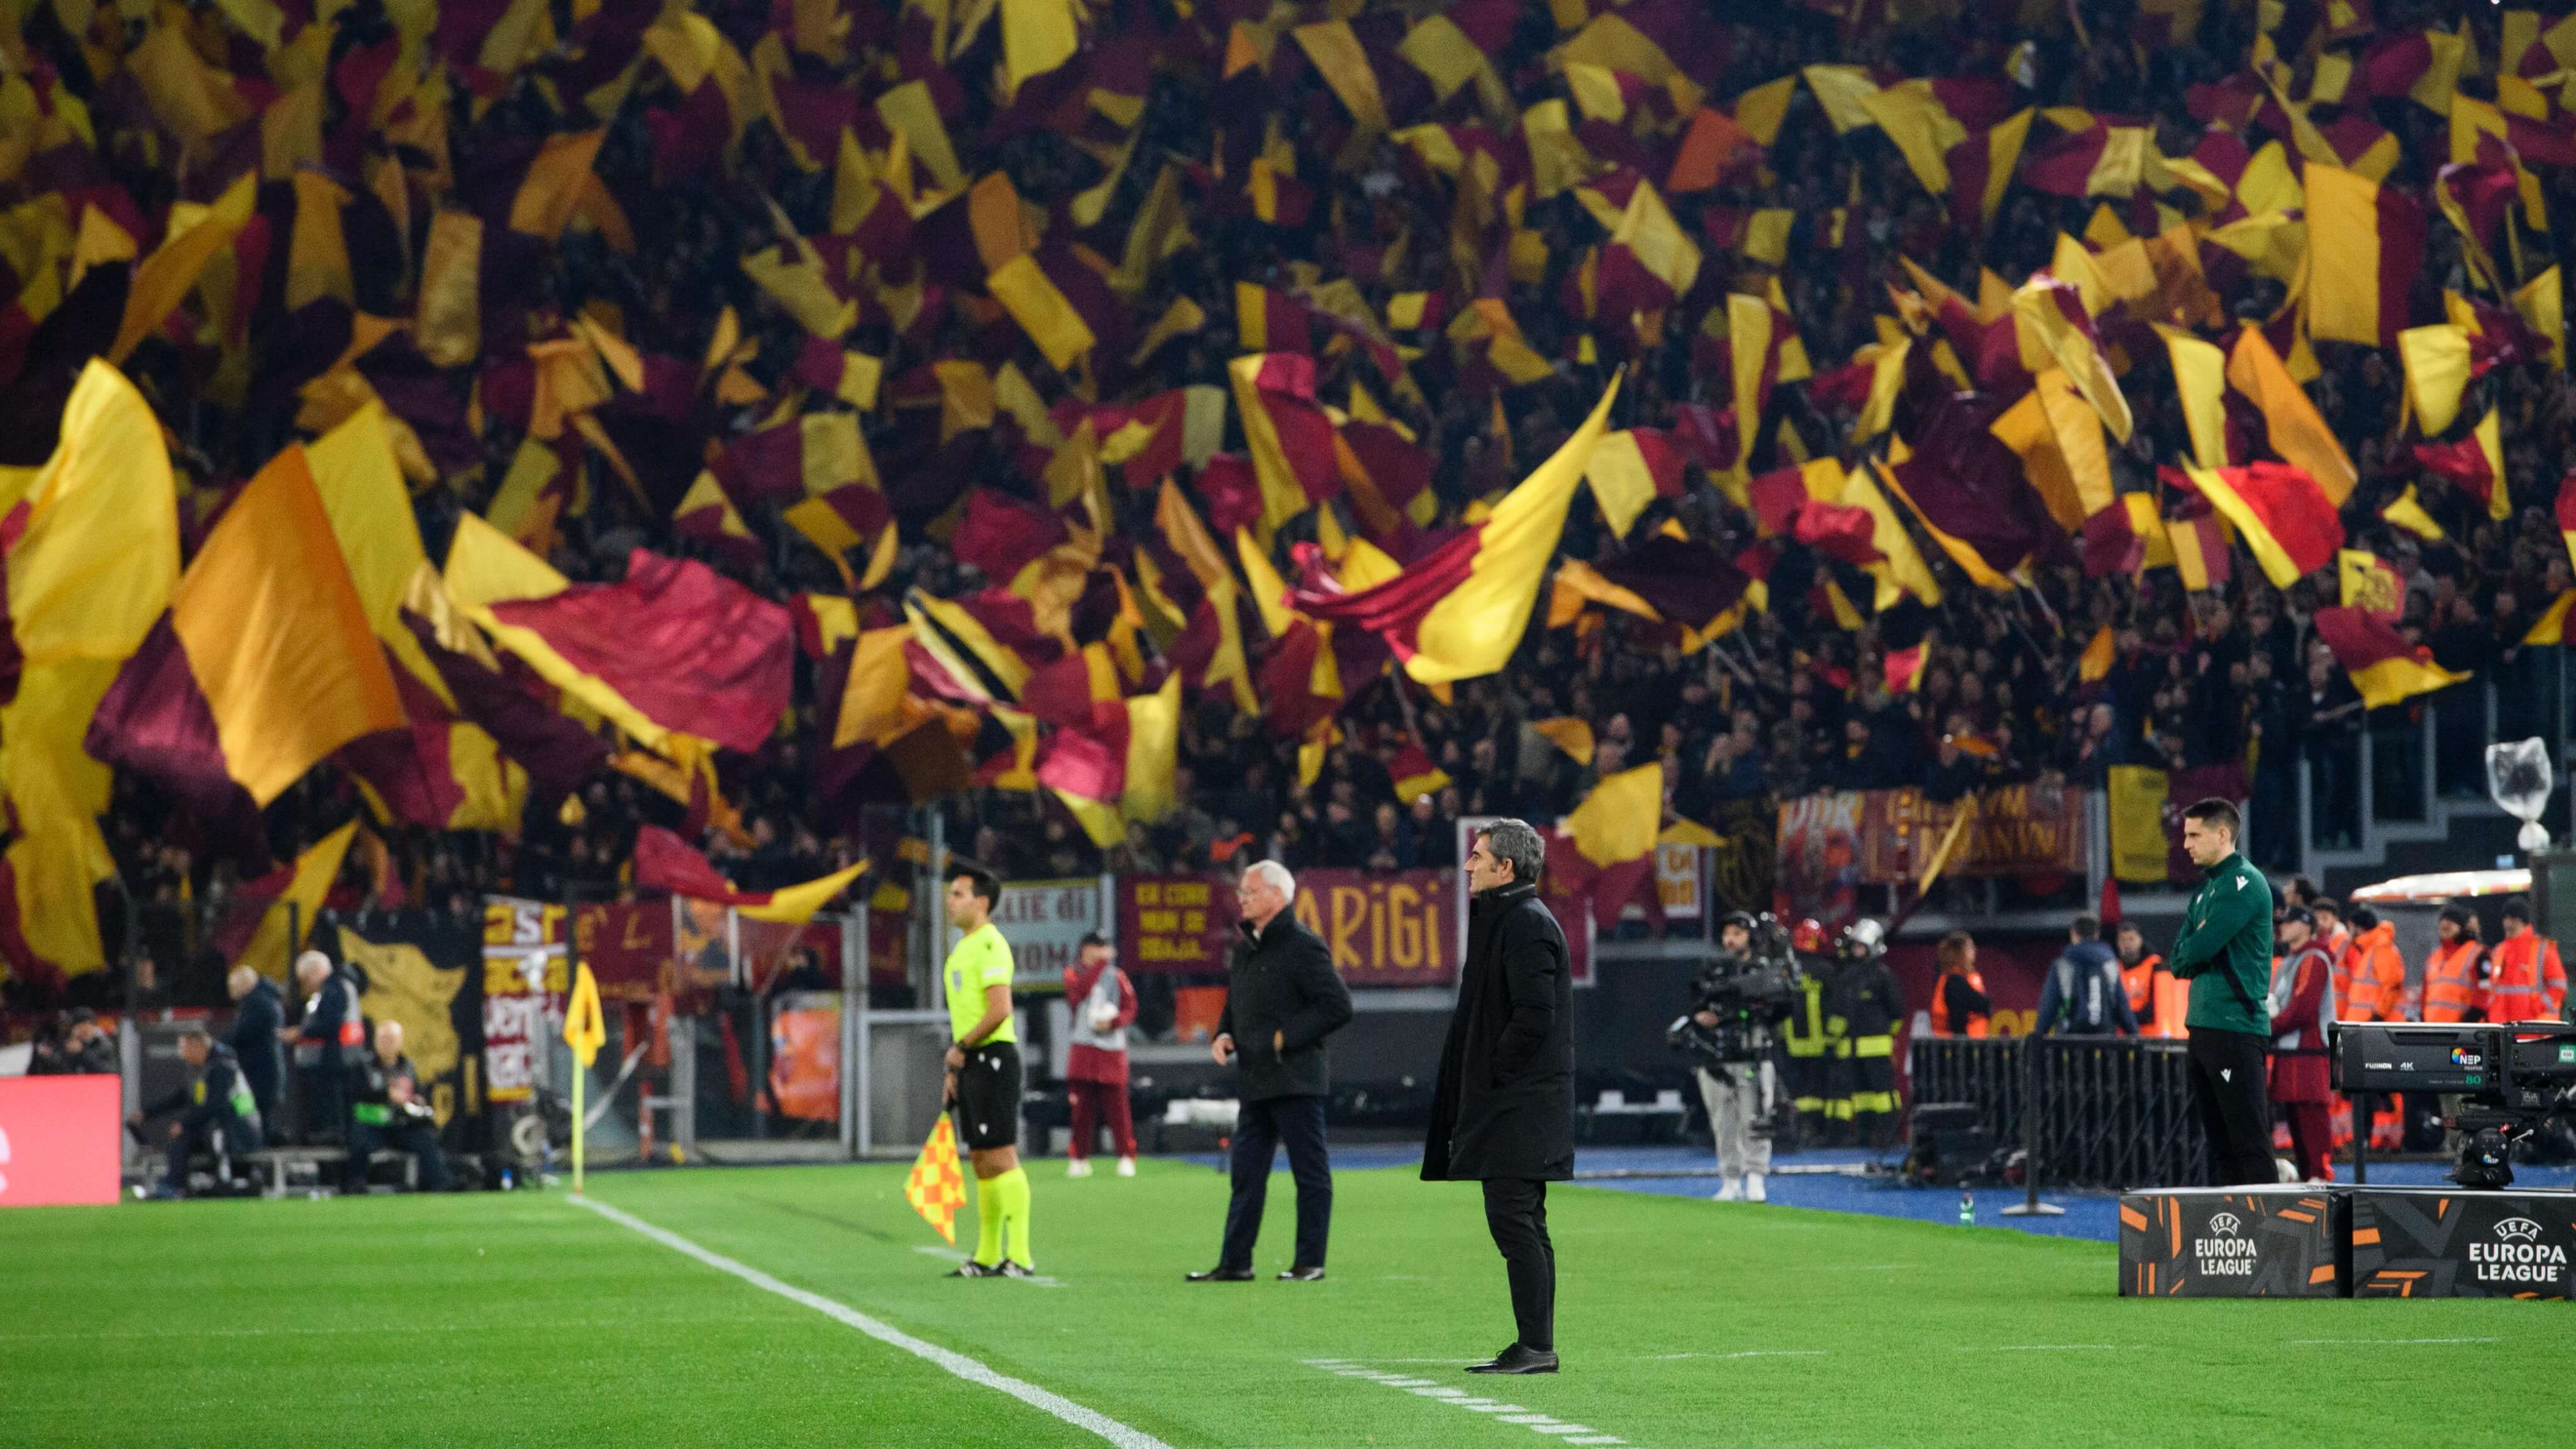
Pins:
x: 1282, y: 999
x: 259, y: 1015
x: 1502, y: 1111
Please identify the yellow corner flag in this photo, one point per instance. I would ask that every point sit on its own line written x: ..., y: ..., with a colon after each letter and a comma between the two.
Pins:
x: 585, y: 1032
x: 936, y: 1187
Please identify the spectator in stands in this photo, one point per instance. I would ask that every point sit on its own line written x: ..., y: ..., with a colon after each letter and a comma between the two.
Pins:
x: 1103, y: 1004
x: 259, y: 1018
x: 216, y: 1114
x: 2299, y: 1070
x: 82, y: 1049
x: 386, y: 1111
x: 1960, y: 1006
x: 326, y: 1041
x: 2083, y: 989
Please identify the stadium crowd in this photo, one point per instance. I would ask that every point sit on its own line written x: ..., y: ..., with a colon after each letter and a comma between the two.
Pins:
x: 1810, y: 691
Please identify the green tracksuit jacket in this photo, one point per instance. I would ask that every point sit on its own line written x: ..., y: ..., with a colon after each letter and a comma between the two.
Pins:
x: 2226, y: 949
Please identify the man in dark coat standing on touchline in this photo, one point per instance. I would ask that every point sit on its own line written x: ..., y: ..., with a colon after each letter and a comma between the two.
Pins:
x: 1282, y: 998
x: 1502, y: 1111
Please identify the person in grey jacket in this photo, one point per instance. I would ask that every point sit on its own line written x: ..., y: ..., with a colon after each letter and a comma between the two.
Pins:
x: 1282, y: 999
x: 2084, y: 988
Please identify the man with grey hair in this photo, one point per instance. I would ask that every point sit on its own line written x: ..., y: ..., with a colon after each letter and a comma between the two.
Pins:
x: 1282, y: 999
x: 1502, y: 1106
x: 327, y: 1043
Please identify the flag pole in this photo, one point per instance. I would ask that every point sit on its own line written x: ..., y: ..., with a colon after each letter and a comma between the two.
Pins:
x: 577, y: 1075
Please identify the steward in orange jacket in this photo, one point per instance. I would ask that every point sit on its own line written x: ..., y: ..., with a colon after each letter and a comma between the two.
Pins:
x: 2456, y: 974
x: 2530, y: 982
x: 2157, y: 997
x: 2371, y: 978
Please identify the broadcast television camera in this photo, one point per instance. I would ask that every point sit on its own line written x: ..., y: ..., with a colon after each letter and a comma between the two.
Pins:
x: 2513, y: 1079
x: 1750, y: 994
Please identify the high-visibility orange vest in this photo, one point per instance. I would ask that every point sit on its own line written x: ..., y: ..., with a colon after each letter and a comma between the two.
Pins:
x: 2529, y: 981
x: 2373, y: 987
x: 1977, y: 1020
x: 2454, y: 981
x: 2159, y: 999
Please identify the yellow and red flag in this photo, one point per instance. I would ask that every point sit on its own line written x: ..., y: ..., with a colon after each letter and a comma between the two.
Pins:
x: 2292, y: 425
x: 936, y: 1186
x: 2279, y: 511
x: 665, y: 862
x: 2365, y: 247
x: 1459, y: 611
x: 2383, y: 666
x: 2369, y: 584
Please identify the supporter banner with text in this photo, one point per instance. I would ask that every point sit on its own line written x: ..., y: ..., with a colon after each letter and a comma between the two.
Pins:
x: 525, y: 978
x: 1045, y: 921
x: 1392, y: 928
x: 628, y: 946
x: 2016, y: 830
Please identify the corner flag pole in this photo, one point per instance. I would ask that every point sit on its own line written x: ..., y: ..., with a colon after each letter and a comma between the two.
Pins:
x: 585, y: 1033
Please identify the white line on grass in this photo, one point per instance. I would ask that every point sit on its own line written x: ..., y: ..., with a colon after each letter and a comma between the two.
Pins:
x: 2306, y: 1342
x: 2037, y: 1347
x: 971, y: 1370
x: 1753, y: 1353
x: 1529, y: 1419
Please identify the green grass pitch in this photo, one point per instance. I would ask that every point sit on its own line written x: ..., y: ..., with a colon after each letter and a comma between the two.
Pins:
x: 524, y: 1319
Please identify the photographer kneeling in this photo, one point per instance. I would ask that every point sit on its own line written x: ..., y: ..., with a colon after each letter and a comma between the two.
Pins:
x: 385, y: 1111
x: 1738, y: 999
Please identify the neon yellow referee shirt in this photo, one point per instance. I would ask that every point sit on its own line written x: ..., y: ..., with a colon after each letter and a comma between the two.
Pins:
x: 982, y: 959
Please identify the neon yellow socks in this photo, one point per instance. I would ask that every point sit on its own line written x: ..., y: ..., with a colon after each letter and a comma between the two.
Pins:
x: 1011, y: 1192
x: 988, y: 1220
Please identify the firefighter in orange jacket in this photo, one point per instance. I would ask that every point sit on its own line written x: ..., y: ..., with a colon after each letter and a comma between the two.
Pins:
x: 2157, y: 997
x: 2457, y: 973
x: 2371, y: 986
x: 2370, y: 981
x: 2529, y: 982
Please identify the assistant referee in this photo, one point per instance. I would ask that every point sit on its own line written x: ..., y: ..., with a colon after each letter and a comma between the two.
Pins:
x: 984, y: 1077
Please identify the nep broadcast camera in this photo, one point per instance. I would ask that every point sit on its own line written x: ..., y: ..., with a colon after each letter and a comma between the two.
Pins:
x: 1749, y: 994
x: 2512, y: 1078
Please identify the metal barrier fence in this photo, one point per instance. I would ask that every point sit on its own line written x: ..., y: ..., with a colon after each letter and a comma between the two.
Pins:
x: 2103, y: 1112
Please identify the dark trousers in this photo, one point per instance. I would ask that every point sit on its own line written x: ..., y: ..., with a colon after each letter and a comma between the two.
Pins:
x: 1093, y: 1102
x: 417, y: 1138
x: 1264, y: 1126
x: 2229, y: 1096
x: 322, y: 1109
x: 1516, y: 1214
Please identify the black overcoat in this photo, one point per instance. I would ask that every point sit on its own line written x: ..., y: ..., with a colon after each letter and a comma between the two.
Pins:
x: 1503, y: 1105
x: 1281, y: 981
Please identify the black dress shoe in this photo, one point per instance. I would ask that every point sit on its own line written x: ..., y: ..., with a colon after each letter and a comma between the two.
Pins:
x: 1222, y: 1274
x: 1301, y: 1275
x: 972, y: 1269
x: 1518, y: 1360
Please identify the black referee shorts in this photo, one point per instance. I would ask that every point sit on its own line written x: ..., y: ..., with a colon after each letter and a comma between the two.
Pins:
x: 988, y: 1097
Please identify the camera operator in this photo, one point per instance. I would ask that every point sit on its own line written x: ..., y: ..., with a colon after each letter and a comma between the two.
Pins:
x: 1869, y: 1003
x: 1736, y: 1016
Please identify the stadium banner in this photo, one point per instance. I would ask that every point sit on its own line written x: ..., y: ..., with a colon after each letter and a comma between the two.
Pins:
x: 2438, y: 1242
x: 628, y: 946
x: 2015, y: 830
x: 425, y: 969
x: 1819, y: 857
x: 805, y: 1056
x: 1677, y: 885
x: 2146, y: 818
x: 526, y: 973
x: 1743, y: 869
x: 2200, y: 1242
x: 1045, y: 921
x: 1385, y: 928
x: 59, y: 1139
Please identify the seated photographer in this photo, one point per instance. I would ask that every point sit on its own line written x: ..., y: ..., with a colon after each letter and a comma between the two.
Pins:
x: 1736, y: 1007
x: 215, y: 1111
x: 83, y: 1049
x: 385, y: 1111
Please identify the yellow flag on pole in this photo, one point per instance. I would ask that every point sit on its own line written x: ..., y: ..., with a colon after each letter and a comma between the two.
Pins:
x: 936, y: 1187
x: 585, y: 1031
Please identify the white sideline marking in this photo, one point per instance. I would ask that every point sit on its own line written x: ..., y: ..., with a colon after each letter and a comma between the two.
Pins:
x: 2036, y: 1347
x: 1530, y: 1419
x: 971, y: 1370
x: 2305, y: 1342
x: 1753, y: 1353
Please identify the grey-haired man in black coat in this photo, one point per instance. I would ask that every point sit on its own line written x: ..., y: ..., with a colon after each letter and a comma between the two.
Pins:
x: 1502, y: 1111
